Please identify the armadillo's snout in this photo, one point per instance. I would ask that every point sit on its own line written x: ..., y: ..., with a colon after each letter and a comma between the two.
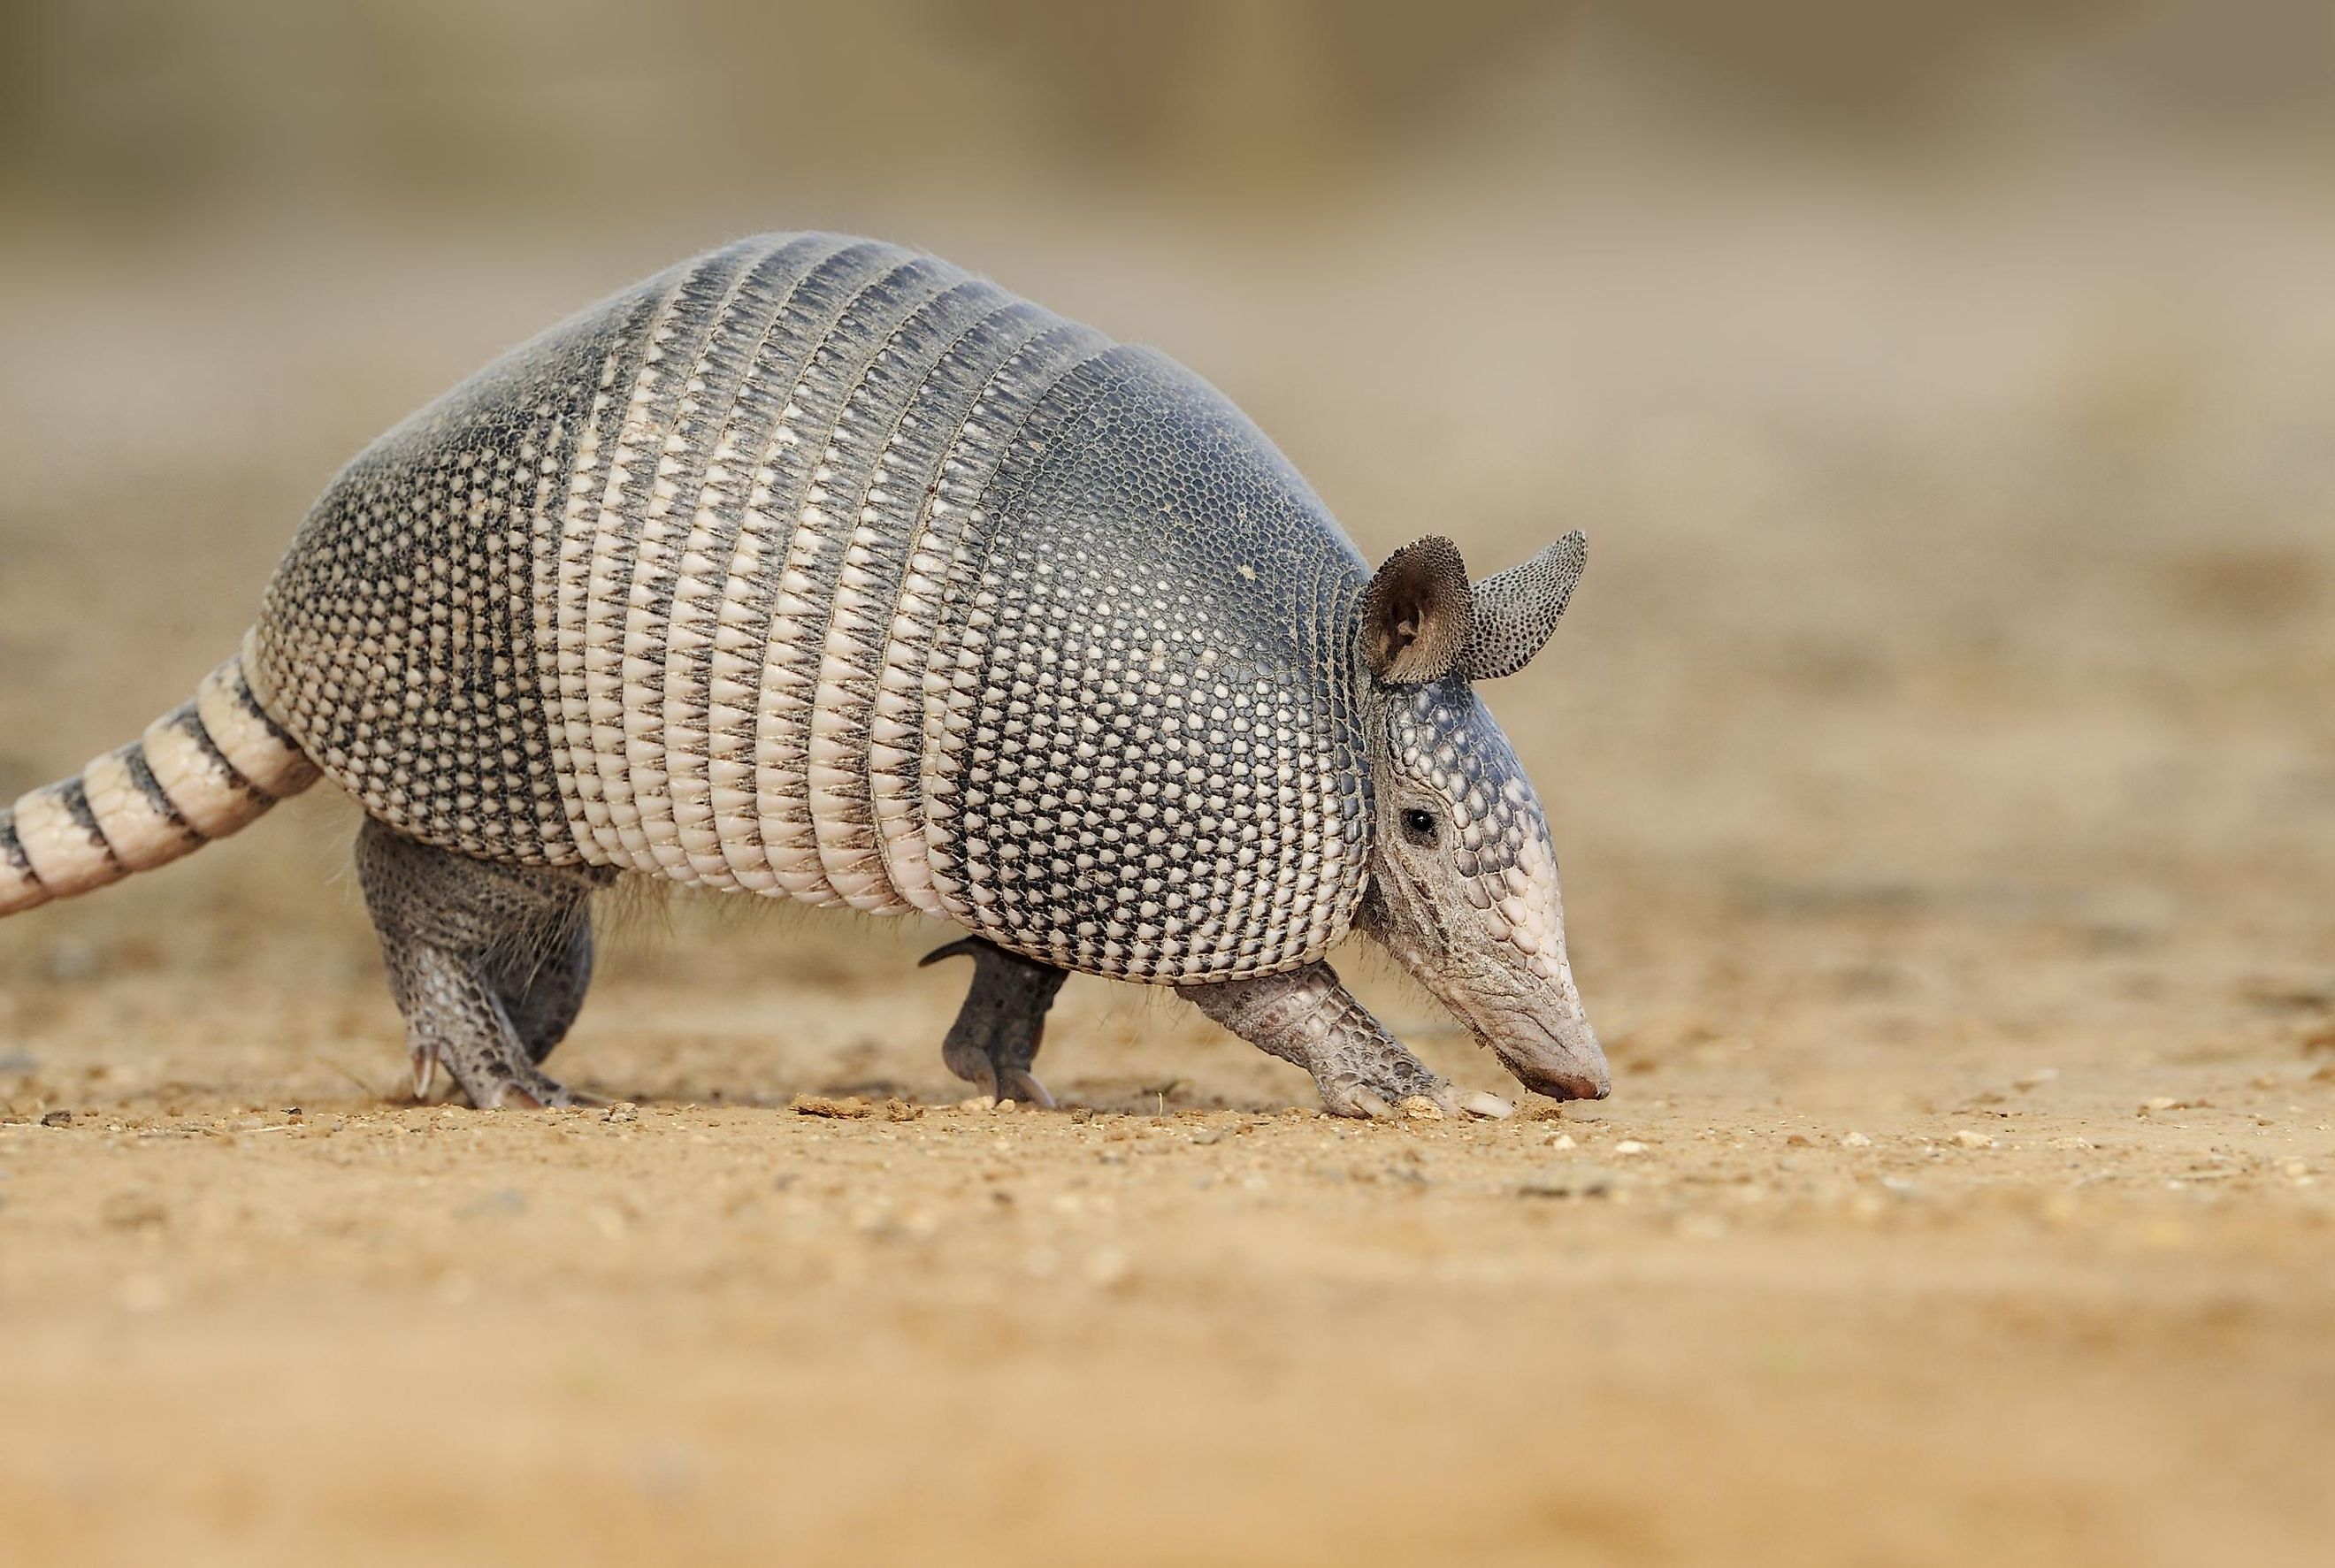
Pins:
x: 1566, y: 1083
x: 1539, y: 1031
x: 1565, y: 1063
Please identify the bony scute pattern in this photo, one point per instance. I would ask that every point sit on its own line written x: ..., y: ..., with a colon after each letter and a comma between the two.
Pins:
x: 1442, y: 738
x: 824, y: 568
x: 1157, y: 783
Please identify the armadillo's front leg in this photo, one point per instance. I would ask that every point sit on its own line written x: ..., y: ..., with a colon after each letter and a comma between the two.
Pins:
x: 998, y: 1030
x: 1307, y: 1016
x: 488, y: 963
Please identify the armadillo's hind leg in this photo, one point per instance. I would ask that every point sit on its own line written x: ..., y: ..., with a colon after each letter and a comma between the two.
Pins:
x: 483, y: 960
x: 994, y: 1040
x: 1307, y: 1016
x: 542, y: 995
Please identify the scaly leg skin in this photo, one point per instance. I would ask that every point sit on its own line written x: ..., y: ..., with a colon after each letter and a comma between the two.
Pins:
x: 488, y: 963
x: 997, y: 1032
x: 1307, y: 1016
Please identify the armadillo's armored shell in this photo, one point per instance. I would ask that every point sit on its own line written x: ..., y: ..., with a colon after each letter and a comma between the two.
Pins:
x: 1163, y: 777
x: 819, y: 567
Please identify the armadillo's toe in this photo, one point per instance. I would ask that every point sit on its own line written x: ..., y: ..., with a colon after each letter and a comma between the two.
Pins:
x: 1358, y: 1101
x: 1476, y: 1102
x: 534, y: 1091
x: 1365, y: 1103
x: 1030, y: 1089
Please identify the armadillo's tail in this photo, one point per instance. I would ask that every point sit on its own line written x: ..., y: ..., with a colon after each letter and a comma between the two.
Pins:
x: 196, y: 775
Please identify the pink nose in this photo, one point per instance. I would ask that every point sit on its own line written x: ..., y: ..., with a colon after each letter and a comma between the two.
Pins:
x: 1566, y: 1084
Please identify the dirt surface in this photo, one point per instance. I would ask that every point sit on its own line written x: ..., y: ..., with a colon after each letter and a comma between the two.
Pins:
x: 1940, y: 753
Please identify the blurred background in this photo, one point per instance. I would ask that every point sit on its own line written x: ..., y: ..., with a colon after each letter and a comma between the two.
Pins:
x: 1947, y: 389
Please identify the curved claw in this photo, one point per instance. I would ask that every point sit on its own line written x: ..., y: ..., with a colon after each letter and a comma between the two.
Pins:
x: 1031, y: 1089
x: 963, y: 947
x: 1365, y: 1103
x: 1476, y: 1102
x: 425, y: 1073
x: 539, y: 1093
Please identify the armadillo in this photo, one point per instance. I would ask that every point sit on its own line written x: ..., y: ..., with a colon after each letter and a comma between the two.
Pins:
x: 817, y: 568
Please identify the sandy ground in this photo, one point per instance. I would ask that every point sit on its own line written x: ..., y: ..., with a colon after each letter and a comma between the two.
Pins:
x: 1940, y: 754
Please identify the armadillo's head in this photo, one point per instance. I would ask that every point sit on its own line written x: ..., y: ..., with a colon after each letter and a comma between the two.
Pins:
x: 1463, y: 876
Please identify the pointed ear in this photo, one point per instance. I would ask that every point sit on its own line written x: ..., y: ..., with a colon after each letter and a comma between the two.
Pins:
x: 1516, y: 610
x: 1417, y: 614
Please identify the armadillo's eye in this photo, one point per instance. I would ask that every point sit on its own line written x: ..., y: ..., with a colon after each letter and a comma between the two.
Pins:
x: 1418, y: 825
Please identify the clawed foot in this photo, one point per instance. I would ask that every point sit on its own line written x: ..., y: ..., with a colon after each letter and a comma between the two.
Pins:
x: 1014, y: 1083
x: 499, y: 1085
x: 998, y: 1030
x: 1365, y: 1102
x: 1306, y: 1016
x: 549, y: 1095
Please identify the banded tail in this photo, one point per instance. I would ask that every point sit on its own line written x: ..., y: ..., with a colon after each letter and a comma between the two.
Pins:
x: 198, y: 773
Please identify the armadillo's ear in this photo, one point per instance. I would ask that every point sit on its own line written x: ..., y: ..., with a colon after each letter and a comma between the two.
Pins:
x: 1516, y: 610
x: 1417, y: 614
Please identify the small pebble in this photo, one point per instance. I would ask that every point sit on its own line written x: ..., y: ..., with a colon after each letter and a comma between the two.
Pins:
x: 1562, y: 1140
x: 1629, y: 1146
x: 623, y: 1110
x: 1856, y: 1140
x: 1969, y: 1139
x: 1419, y: 1108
